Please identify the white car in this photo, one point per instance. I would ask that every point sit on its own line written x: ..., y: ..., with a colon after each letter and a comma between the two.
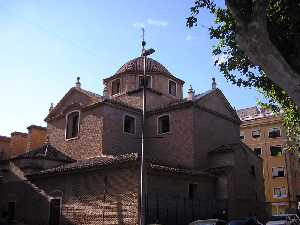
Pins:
x: 284, y: 219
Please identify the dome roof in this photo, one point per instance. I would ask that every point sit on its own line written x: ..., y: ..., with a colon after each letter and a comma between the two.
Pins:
x: 137, y: 66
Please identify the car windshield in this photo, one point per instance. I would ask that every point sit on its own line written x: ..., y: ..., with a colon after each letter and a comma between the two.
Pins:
x: 277, y: 218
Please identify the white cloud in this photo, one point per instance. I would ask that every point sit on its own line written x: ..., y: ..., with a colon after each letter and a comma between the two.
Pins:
x: 151, y: 22
x: 158, y: 23
x: 190, y: 37
x: 139, y: 25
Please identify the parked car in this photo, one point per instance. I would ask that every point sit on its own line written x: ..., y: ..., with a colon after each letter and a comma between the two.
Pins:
x: 245, y: 221
x: 209, y: 222
x: 284, y: 219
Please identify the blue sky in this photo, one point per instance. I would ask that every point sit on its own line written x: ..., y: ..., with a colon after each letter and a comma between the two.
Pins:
x: 45, y: 45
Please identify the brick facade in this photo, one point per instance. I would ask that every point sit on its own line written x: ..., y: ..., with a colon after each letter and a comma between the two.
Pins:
x: 18, y: 143
x: 98, y: 197
x: 185, y: 176
x: 37, y: 136
x: 4, y: 147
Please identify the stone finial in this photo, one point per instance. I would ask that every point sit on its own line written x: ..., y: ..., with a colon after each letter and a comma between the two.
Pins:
x: 214, y: 84
x: 105, y: 91
x: 191, y: 93
x: 78, y: 84
x: 51, y: 107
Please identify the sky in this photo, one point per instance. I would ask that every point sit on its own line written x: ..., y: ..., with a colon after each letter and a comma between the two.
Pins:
x: 45, y: 45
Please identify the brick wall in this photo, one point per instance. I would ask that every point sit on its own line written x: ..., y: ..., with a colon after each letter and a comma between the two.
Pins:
x: 99, y: 197
x: 160, y: 83
x: 176, y: 147
x: 4, y: 147
x: 89, y: 142
x: 18, y: 143
x: 115, y: 140
x: 210, y: 132
x: 36, y: 137
x: 153, y: 100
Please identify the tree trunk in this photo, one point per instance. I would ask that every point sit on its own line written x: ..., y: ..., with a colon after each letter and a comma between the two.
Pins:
x: 253, y: 38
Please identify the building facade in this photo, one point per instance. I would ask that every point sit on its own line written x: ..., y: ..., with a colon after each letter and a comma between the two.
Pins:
x: 88, y: 170
x: 265, y: 135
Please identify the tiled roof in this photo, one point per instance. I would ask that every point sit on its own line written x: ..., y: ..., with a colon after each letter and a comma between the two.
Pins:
x: 91, y: 94
x: 233, y: 147
x: 48, y: 152
x: 94, y: 98
x: 97, y: 162
x: 201, y: 95
x: 136, y: 66
x: 180, y: 103
x: 36, y: 127
x: 108, y: 161
x: 251, y: 111
x: 177, y: 170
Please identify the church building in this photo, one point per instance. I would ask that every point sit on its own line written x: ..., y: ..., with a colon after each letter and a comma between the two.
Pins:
x: 88, y: 170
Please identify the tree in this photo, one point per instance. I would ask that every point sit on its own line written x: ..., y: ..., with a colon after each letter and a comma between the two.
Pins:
x: 259, y: 46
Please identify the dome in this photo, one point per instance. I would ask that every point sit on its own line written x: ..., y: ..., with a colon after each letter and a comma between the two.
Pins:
x: 137, y: 66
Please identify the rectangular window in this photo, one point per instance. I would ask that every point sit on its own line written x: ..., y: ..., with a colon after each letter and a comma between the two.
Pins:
x: 242, y: 136
x: 274, y: 132
x: 129, y: 124
x: 72, y: 125
x: 257, y: 151
x: 192, y: 190
x: 279, y: 192
x: 148, y: 81
x: 256, y: 133
x: 163, y: 124
x: 116, y: 87
x: 172, y: 87
x: 276, y: 150
x: 278, y: 171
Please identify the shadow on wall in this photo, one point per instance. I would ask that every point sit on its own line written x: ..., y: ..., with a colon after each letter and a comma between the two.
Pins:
x: 22, y: 201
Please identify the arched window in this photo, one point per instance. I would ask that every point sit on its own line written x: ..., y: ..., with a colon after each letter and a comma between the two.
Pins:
x: 72, y: 126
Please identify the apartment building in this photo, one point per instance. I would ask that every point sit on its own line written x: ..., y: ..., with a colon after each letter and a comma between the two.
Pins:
x: 264, y: 133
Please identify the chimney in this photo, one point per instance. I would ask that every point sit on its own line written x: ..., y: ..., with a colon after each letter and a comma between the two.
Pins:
x: 191, y: 94
x: 78, y: 84
x: 37, y: 137
x: 4, y: 147
x: 105, y: 92
x: 18, y: 143
x: 214, y: 84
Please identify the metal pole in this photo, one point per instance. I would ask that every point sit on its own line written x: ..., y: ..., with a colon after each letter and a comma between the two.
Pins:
x: 142, y: 219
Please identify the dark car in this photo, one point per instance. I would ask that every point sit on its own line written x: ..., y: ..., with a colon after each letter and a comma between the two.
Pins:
x: 244, y: 221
